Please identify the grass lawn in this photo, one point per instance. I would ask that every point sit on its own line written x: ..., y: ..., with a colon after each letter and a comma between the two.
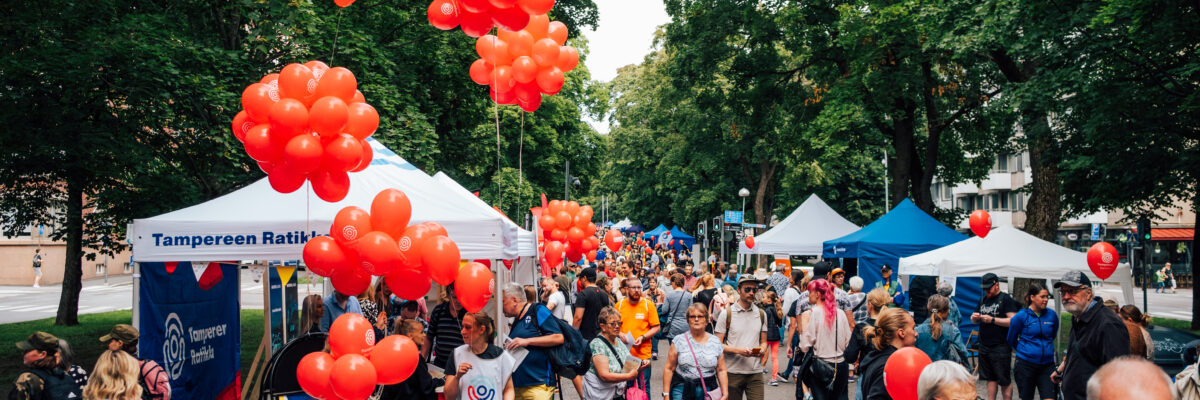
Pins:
x: 85, y: 338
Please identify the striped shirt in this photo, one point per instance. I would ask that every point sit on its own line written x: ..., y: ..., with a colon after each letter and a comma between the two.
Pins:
x: 446, y: 332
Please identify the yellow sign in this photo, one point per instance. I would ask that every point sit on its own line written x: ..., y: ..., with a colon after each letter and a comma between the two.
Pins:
x: 285, y: 274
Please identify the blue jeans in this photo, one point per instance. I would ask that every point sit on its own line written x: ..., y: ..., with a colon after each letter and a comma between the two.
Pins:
x: 677, y: 392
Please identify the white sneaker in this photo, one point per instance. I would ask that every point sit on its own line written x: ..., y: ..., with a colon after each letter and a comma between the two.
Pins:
x: 37, y: 285
x: 774, y: 383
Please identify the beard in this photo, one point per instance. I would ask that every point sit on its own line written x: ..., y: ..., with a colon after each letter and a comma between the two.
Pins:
x: 1076, y: 307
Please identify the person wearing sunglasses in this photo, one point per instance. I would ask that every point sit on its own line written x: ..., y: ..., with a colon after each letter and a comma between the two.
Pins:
x: 742, y: 328
x: 695, y: 362
x: 1097, y: 335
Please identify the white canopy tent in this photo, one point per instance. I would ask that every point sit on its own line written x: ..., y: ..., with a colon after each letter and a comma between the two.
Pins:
x: 803, y: 232
x: 525, y: 271
x: 1008, y: 252
x: 258, y: 223
x: 625, y: 223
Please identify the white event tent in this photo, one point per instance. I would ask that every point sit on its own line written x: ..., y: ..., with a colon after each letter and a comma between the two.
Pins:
x: 625, y: 223
x: 1008, y: 252
x: 525, y: 271
x: 258, y: 223
x: 803, y: 232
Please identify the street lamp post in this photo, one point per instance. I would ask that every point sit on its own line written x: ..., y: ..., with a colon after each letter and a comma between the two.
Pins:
x: 743, y: 193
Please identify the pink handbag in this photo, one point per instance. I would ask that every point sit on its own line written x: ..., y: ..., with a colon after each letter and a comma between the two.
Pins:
x: 635, y: 392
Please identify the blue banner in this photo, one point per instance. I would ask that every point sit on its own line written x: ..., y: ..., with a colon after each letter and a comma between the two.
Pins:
x: 189, y: 318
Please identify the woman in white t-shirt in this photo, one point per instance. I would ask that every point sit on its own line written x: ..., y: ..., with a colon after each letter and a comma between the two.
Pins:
x: 479, y: 369
x: 696, y: 361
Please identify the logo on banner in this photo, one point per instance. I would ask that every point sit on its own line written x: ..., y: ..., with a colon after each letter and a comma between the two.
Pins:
x: 174, y: 346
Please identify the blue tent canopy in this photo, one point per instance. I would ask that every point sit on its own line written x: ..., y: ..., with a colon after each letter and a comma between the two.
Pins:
x: 902, y: 232
x: 634, y: 229
x: 653, y: 233
x: 682, y: 239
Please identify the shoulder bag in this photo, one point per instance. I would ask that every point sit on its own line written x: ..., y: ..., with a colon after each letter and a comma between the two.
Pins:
x: 715, y: 394
x: 820, y: 370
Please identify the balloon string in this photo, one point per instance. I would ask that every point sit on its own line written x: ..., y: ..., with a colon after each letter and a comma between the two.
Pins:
x: 521, y: 154
x: 496, y: 110
x: 336, y: 31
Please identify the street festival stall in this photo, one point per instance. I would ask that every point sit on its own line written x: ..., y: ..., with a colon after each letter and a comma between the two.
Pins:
x: 259, y: 223
x: 902, y: 232
x: 802, y: 233
x: 1008, y: 252
x: 680, y: 240
x: 652, y: 235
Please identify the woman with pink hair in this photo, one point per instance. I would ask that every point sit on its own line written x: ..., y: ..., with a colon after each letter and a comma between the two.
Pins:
x: 826, y: 335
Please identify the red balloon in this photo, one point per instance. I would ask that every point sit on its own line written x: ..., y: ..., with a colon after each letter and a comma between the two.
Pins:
x: 285, y: 179
x: 474, y: 286
x: 513, y: 19
x: 524, y: 70
x: 555, y: 206
x: 363, y: 120
x: 550, y: 80
x: 527, y: 92
x: 648, y: 250
x: 475, y: 6
x: 591, y: 256
x: 260, y: 146
x: 901, y: 372
x: 350, y: 333
x: 563, y: 220
x: 503, y: 3
x: 408, y: 284
x: 520, y: 43
x: 443, y: 14
x: 410, y: 244
x: 554, y: 253
x: 503, y: 97
x: 303, y: 153
x: 435, y: 229
x: 574, y: 253
x: 538, y: 25
x: 313, y: 373
x: 288, y: 116
x: 614, y: 239
x: 536, y: 7
x: 590, y: 230
x: 367, y: 155
x: 338, y: 82
x: 241, y: 124
x: 322, y: 255
x: 358, y: 97
x: 378, y: 253
x: 580, y: 223
x: 568, y: 58
x: 545, y: 52
x: 328, y: 115
x: 257, y: 100
x: 575, y: 235
x: 585, y: 212
x: 474, y: 24
x: 296, y: 81
x: 440, y: 255
x: 546, y: 221
x: 559, y: 235
x: 349, y: 225
x: 342, y: 153
x: 493, y: 50
x: 343, y: 3
x: 331, y: 186
x: 350, y: 281
x: 502, y: 78
x: 395, y: 358
x: 354, y: 377
x: 981, y: 223
x: 1102, y: 259
x: 557, y: 31
x: 481, y: 72
x: 591, y: 243
x: 749, y: 242
x: 318, y: 68
x: 390, y: 212
x: 270, y: 80
x: 571, y: 207
x: 530, y: 105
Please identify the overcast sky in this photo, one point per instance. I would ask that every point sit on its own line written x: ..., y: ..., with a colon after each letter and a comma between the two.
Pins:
x: 625, y: 35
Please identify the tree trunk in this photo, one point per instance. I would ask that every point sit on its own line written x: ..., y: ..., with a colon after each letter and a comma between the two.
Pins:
x: 764, y: 195
x: 68, y: 304
x: 1044, y: 210
x: 901, y: 164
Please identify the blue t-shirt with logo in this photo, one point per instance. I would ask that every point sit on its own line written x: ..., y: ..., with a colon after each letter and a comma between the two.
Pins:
x: 535, y: 369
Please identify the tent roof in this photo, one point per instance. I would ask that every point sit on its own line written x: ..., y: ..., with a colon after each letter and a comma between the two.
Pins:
x: 657, y: 230
x: 803, y: 231
x: 526, y: 242
x: 906, y: 227
x: 625, y: 223
x: 258, y: 223
x: 679, y: 234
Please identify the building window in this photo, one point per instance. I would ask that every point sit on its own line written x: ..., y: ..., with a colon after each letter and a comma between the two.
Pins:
x: 947, y: 191
x: 128, y: 268
x: 99, y: 268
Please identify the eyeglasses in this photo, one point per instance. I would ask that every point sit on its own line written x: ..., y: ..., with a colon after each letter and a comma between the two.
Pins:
x: 749, y: 289
x: 613, y: 323
x: 1069, y: 291
x: 697, y: 317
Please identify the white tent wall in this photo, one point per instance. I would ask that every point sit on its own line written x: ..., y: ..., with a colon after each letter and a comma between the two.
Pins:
x: 526, y: 243
x: 1011, y: 253
x: 258, y: 223
x: 803, y: 232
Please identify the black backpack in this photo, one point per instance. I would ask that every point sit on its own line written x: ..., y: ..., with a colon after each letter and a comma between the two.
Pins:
x: 58, y: 385
x: 571, y: 358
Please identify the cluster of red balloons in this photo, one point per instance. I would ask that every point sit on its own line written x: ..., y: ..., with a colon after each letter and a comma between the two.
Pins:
x: 519, y: 66
x: 361, y: 244
x: 567, y: 228
x: 477, y: 17
x: 358, y: 363
x: 981, y: 223
x: 307, y: 122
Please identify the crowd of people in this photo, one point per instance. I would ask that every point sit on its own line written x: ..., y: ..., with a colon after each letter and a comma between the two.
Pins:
x: 722, y: 329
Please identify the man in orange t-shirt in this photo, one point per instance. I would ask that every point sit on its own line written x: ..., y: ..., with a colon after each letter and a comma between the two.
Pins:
x: 639, y: 318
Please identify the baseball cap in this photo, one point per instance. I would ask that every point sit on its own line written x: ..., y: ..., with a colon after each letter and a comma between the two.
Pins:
x: 1073, y: 279
x: 989, y: 280
x: 39, y: 341
x: 821, y: 269
x: 836, y: 271
x: 747, y: 278
x: 123, y: 332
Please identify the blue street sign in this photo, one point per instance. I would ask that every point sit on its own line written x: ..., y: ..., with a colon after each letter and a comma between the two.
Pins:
x: 754, y: 225
x: 41, y: 230
x: 733, y: 217
x: 1095, y: 231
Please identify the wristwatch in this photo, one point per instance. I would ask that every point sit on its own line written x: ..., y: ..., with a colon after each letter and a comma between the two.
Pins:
x: 666, y: 395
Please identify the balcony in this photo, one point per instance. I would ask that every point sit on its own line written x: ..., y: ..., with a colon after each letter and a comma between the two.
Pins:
x: 997, y: 181
x: 999, y: 218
